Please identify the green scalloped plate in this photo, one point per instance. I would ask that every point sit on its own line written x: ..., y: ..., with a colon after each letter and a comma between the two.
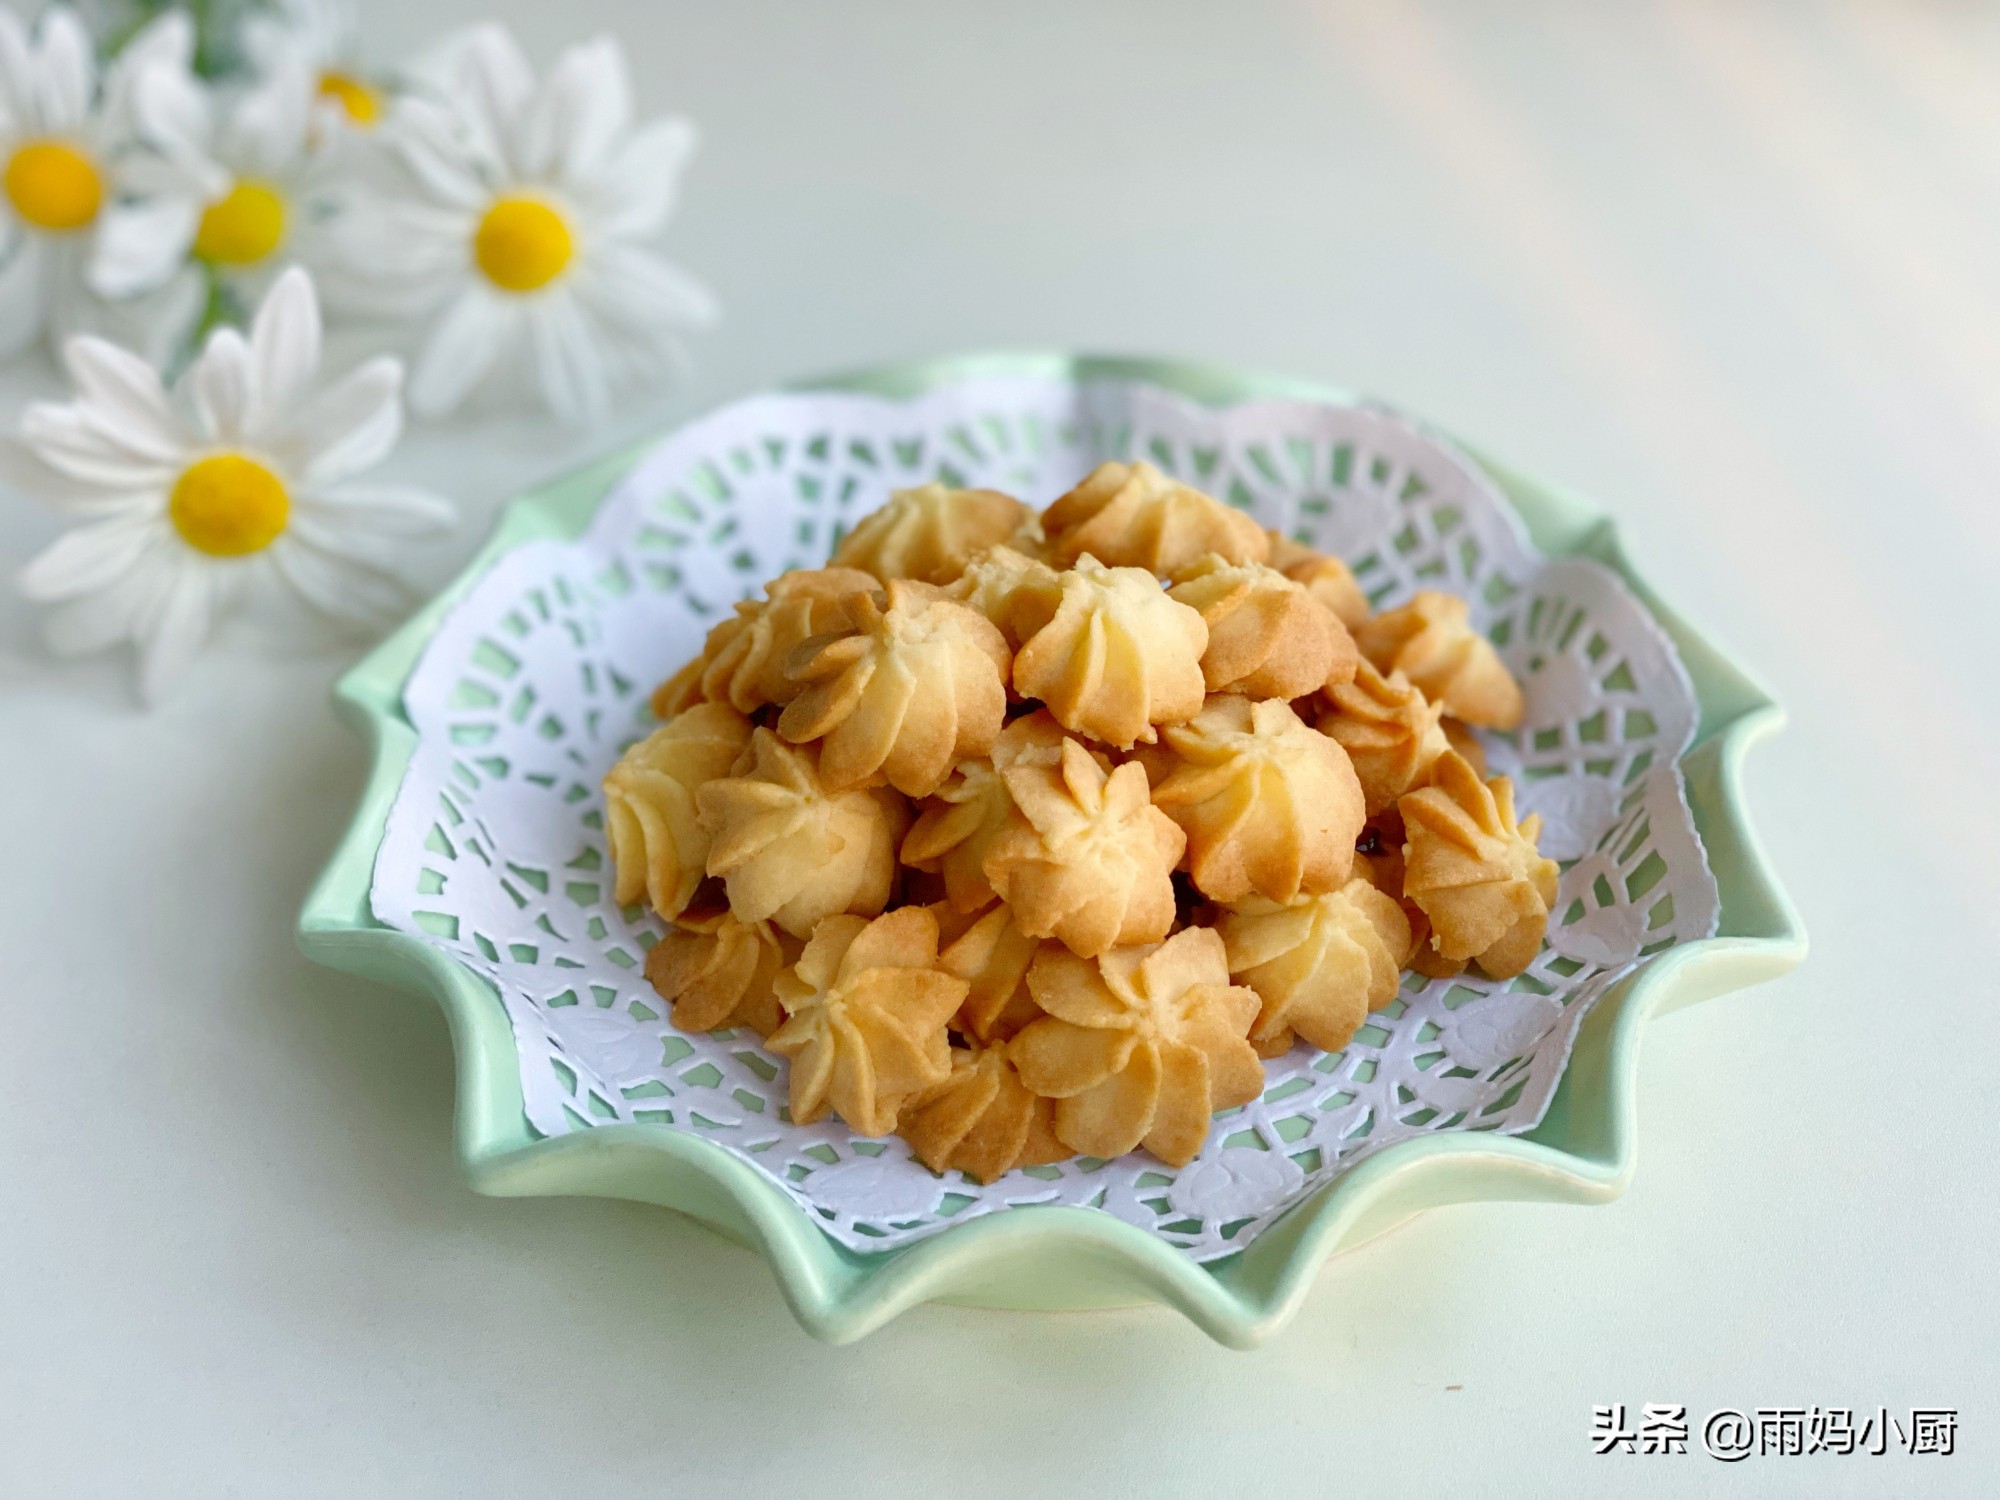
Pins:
x: 1059, y: 1258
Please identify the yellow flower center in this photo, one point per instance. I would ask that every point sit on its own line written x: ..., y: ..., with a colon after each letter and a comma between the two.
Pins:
x: 228, y: 505
x: 361, y: 100
x: 53, y: 185
x: 242, y: 226
x: 522, y: 244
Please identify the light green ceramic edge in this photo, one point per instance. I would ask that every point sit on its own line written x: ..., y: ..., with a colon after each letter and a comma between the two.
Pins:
x: 1583, y: 1151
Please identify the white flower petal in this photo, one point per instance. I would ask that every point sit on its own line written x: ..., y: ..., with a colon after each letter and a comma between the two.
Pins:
x: 626, y: 285
x: 574, y: 376
x: 397, y: 258
x: 221, y: 383
x: 345, y: 588
x: 102, y: 619
x: 580, y: 113
x: 265, y: 132
x: 348, y: 427
x: 172, y: 624
x: 459, y: 351
x: 139, y: 246
x: 432, y: 142
x: 634, y: 192
x: 143, y: 174
x: 174, y: 116
x: 284, y: 350
x: 67, y: 72
x: 496, y: 86
x: 24, y: 295
x: 111, y: 614
x: 88, y: 558
x: 17, y: 76
x: 165, y: 41
x: 168, y: 38
x: 126, y: 394
x: 394, y: 512
x: 26, y: 474
x: 67, y: 438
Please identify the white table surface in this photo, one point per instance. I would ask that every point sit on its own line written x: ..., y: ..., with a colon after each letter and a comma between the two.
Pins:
x: 1734, y: 270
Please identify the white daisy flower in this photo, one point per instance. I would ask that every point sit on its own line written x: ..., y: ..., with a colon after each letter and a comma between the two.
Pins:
x: 316, y: 37
x: 521, y: 216
x: 64, y: 134
x: 243, y: 469
x: 230, y: 181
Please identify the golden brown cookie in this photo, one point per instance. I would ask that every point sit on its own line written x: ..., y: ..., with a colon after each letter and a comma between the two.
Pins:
x: 911, y: 684
x: 992, y: 954
x: 981, y: 1120
x: 1085, y: 857
x: 1133, y: 516
x: 1474, y: 871
x: 743, y: 661
x: 658, y: 846
x: 1267, y: 637
x: 954, y: 828
x: 1325, y: 577
x: 1141, y: 1045
x: 791, y: 851
x: 865, y: 1012
x: 1431, y: 641
x: 718, y: 971
x: 1015, y: 591
x: 1116, y: 658
x: 1319, y: 965
x: 1389, y: 730
x: 929, y: 533
x: 1270, y: 806
x: 1461, y: 737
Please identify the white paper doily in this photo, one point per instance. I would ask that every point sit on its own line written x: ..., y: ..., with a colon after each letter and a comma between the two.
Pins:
x: 538, y: 679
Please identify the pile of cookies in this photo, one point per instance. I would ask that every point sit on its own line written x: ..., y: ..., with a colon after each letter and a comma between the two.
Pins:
x: 1027, y: 836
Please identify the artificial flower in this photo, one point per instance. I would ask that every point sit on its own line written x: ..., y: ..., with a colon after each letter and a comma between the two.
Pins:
x: 230, y: 182
x: 66, y: 169
x: 243, y: 467
x: 520, y: 215
x: 315, y: 38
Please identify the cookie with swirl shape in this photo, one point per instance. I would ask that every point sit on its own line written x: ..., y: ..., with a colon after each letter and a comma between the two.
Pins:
x: 1474, y: 871
x: 981, y: 1119
x: 1014, y: 590
x: 1140, y: 1046
x: 1270, y: 806
x: 1391, y: 732
x: 910, y: 685
x: 742, y: 663
x: 929, y: 533
x: 865, y: 1012
x: 1267, y: 637
x: 718, y: 971
x: 955, y: 827
x: 1085, y: 857
x: 1324, y: 576
x: 1319, y: 965
x: 1431, y: 641
x: 1117, y: 658
x: 991, y: 954
x: 792, y: 850
x: 659, y: 847
x: 1135, y: 516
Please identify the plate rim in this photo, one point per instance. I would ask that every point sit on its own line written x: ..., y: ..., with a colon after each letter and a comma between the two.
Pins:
x: 1583, y: 1151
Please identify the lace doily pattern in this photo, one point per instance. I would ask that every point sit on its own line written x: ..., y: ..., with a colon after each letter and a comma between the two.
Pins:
x: 536, y: 681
